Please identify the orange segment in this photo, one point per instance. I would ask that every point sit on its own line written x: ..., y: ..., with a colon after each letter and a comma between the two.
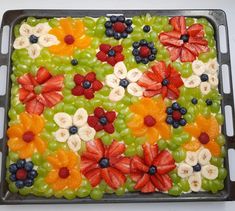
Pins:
x: 164, y: 130
x: 52, y: 176
x: 192, y: 145
x: 68, y: 51
x: 138, y: 109
x: 62, y: 156
x: 26, y: 120
x: 202, y: 123
x: 193, y: 130
x: 75, y: 179
x: 83, y: 42
x: 58, y: 33
x: 54, y: 162
x: 15, y: 131
x: 39, y: 144
x: 38, y: 124
x: 79, y: 28
x: 152, y: 135
x: 57, y: 49
x: 213, y: 130
x: 136, y: 122
x: 73, y: 160
x: 27, y: 152
x: 16, y: 144
x: 139, y: 132
x: 213, y: 147
x: 67, y: 26
x: 60, y: 184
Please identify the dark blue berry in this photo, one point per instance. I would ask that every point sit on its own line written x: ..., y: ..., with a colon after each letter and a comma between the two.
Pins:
x: 28, y: 182
x: 124, y: 83
x: 143, y: 42
x: 124, y: 35
x: 169, y: 110
x: 73, y: 130
x: 109, y: 32
x: 183, y: 111
x: 28, y: 166
x: 152, y: 57
x: 182, y: 122
x: 165, y: 82
x: 137, y: 59
x: 151, y: 45
x: 13, y: 177
x: 136, y: 44
x: 175, y: 106
x: 103, y: 120
x: 128, y: 22
x: 194, y: 101
x: 129, y: 29
x: 152, y: 170
x: 13, y: 168
x: 209, y: 102
x: 108, y: 24
x: 20, y: 163
x: 146, y: 28
x: 153, y: 50
x: 111, y: 53
x: 19, y: 184
x: 113, y: 18
x: 74, y: 62
x: 204, y: 77
x: 117, y: 36
x: 33, y: 39
x: 104, y: 162
x: 169, y: 120
x: 121, y: 18
x: 32, y: 174
x: 144, y: 60
x: 135, y: 52
x: 175, y: 124
x: 197, y: 167
x: 184, y: 37
x: 86, y: 84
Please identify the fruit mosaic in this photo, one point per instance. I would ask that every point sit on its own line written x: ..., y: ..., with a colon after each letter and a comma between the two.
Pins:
x: 114, y: 105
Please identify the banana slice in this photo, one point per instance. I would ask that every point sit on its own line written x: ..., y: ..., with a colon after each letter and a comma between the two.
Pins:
x: 192, y: 81
x: 21, y: 42
x: 61, y: 135
x: 63, y: 120
x: 41, y: 29
x: 205, y: 88
x: 195, y: 182
x: 34, y: 51
x: 135, y: 90
x: 48, y: 40
x: 86, y: 133
x: 134, y: 75
x: 80, y: 117
x: 26, y: 30
x: 112, y: 80
x: 117, y: 94
x: 212, y: 66
x: 120, y: 70
x: 198, y: 67
x: 191, y: 158
x: 74, y: 142
x: 204, y: 156
x: 184, y: 170
x: 209, y: 172
x: 213, y: 80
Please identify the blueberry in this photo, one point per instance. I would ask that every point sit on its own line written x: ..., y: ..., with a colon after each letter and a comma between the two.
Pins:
x: 145, y: 60
x: 33, y: 39
x: 182, y: 122
x: 124, y: 35
x: 74, y: 62
x: 121, y: 18
x: 184, y: 37
x: 13, y: 168
x: 197, y: 167
x: 111, y: 53
x: 124, y: 83
x: 29, y: 166
x: 194, y: 101
x: 135, y: 52
x: 108, y: 24
x: 183, y: 111
x: 73, y: 130
x: 165, y: 82
x: 175, y: 124
x: 204, y: 77
x: 109, y: 32
x: 154, y: 51
x: 86, y: 84
x: 19, y: 184
x: 32, y: 174
x: 175, y: 106
x: 113, y: 18
x: 13, y: 177
x: 104, y: 162
x: 143, y: 42
x: 117, y: 36
x: 209, y: 102
x: 151, y: 45
x: 169, y: 120
x: 103, y: 120
x: 137, y: 59
x: 28, y: 182
x: 20, y: 163
x: 152, y: 170
x: 136, y: 44
x: 146, y: 28
x: 128, y: 22
x: 129, y: 29
x: 169, y: 110
x: 152, y: 57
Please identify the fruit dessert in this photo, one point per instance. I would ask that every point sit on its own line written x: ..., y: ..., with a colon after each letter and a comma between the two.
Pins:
x: 111, y: 105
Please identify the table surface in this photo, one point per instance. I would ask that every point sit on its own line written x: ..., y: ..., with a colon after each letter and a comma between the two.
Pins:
x: 227, y: 5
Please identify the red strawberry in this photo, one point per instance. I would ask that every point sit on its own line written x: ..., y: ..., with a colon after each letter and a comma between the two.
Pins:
x: 167, y: 182
x: 142, y: 182
x: 116, y: 149
x: 110, y: 115
x: 95, y: 147
x: 118, y: 179
x: 92, y: 121
x: 53, y: 84
x: 105, y: 48
x: 111, y: 61
x: 99, y: 112
x: 78, y: 79
x: 101, y: 56
x: 77, y: 91
x: 150, y: 93
x: 94, y: 176
x: 52, y: 98
x: 137, y: 164
x: 88, y: 93
x: 97, y: 85
x: 187, y: 56
x: 98, y: 127
x: 144, y: 80
x: 90, y: 77
x: 176, y: 115
x: 42, y: 75
x: 119, y: 27
x: 144, y: 51
x: 191, y: 48
x: 29, y: 97
x: 123, y: 165
x: 23, y: 93
x: 109, y: 128
x: 41, y: 99
x: 150, y: 152
x: 148, y: 188
x: 174, y: 52
x: 119, y: 57
x: 154, y: 76
x: 34, y: 107
x: 154, y: 86
x: 165, y: 169
x: 27, y: 81
x: 117, y: 48
x: 164, y: 158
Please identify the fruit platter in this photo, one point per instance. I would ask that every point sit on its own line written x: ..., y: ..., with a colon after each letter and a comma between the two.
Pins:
x: 115, y: 108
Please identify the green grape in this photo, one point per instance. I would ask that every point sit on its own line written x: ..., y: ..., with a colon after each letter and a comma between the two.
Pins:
x: 50, y: 126
x: 53, y: 22
x: 19, y: 108
x: 13, y: 156
x: 213, y: 186
x: 48, y: 193
x: 58, y: 194
x: 186, y: 72
x: 99, y: 30
x: 32, y: 21
x: 204, y: 57
x: 175, y: 190
x: 139, y: 141
x: 52, y: 145
x: 41, y: 172
x: 215, y: 107
x: 48, y: 113
x: 168, y: 28
x: 217, y: 161
x: 162, y: 144
x: 179, y: 155
x: 37, y: 159
x: 89, y: 22
x: 125, y: 132
x: 222, y: 173
x: 202, y: 21
x: 205, y: 184
x: 130, y: 185
x: 220, y: 118
x: 209, y: 31
x: 184, y: 185
x: 120, y: 191
x: 128, y: 139
x: 137, y: 21
x: 172, y: 146
x: 13, y: 188
x: 189, y: 21
x: 70, y: 109
x: 109, y: 189
x: 83, y: 192
x: 107, y: 140
x: 174, y: 176
x: 177, y: 131
x: 130, y: 151
x: 223, y: 152
x: 96, y: 194
x: 69, y: 194
x: 12, y: 114
x: 139, y: 150
x: 220, y: 140
x: 188, y: 117
x: 24, y: 191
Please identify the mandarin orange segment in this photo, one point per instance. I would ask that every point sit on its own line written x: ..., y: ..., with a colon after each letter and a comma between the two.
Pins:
x: 83, y: 42
x: 54, y: 162
x: 164, y: 130
x: 213, y: 147
x: 192, y: 129
x: 26, y: 120
x: 79, y: 28
x: 52, y: 176
x: 67, y: 26
x: 192, y: 145
x: 213, y: 131
x: 152, y: 135
x: 68, y: 51
x: 202, y: 123
x: 135, y: 122
x: 59, y: 184
x: 139, y: 132
x: 58, y: 33
x: 38, y: 124
x: 63, y: 157
x: 16, y: 144
x: 15, y: 131
x: 139, y: 109
x: 75, y: 179
x: 39, y: 144
x: 27, y: 152
x: 74, y: 161
x: 57, y: 49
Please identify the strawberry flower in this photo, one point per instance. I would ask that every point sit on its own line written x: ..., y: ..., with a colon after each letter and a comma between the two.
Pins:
x: 161, y: 79
x: 122, y: 80
x: 73, y: 129
x: 150, y: 172
x: 102, y: 120
x: 196, y: 166
x: 40, y: 91
x: 106, y: 163
x: 184, y: 43
x: 110, y: 54
x: 86, y: 85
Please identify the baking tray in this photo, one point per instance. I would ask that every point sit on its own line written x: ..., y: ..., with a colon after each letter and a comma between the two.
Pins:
x: 217, y: 18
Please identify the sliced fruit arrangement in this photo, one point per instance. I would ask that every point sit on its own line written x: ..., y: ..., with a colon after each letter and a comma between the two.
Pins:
x: 110, y: 105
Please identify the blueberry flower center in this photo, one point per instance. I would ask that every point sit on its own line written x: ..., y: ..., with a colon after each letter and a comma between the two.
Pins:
x: 103, y: 120
x: 33, y: 39
x: 124, y: 83
x: 86, y: 84
x: 184, y: 37
x: 73, y: 130
x: 104, y: 162
x: 197, y: 167
x: 152, y: 170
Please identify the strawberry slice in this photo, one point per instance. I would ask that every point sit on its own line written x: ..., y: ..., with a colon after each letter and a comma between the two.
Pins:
x: 97, y: 85
x: 175, y: 23
x: 200, y: 48
x: 117, y: 48
x: 116, y: 149
x: 197, y: 40
x: 94, y: 176
x: 150, y: 152
x: 87, y: 165
x: 92, y: 121
x: 41, y: 99
x: 151, y: 93
x: 118, y: 179
x: 167, y: 182
x: 27, y: 82
x: 157, y: 182
x: 23, y: 93
x: 105, y: 48
x: 122, y: 164
x: 53, y: 84
x: 174, y: 52
x: 172, y: 34
x: 196, y: 30
x: 154, y: 86
x: 137, y: 164
x: 34, y: 107
x: 173, y: 89
x: 154, y: 76
x: 187, y: 56
x: 163, y: 158
x: 111, y: 116
x: 52, y: 98
x: 144, y: 81
x: 136, y: 176
x: 101, y: 56
x: 42, y: 75
x: 142, y: 181
x: 172, y: 42
x: 95, y: 147
x: 160, y: 69
x: 165, y: 169
x: 191, y: 48
x: 176, y: 80
x: 164, y: 91
x: 29, y: 97
x: 182, y: 23
x: 148, y: 188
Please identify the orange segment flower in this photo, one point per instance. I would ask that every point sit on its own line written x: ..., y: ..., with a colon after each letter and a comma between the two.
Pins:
x: 65, y: 172
x: 71, y: 34
x: 204, y: 132
x: 24, y: 137
x: 149, y: 120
